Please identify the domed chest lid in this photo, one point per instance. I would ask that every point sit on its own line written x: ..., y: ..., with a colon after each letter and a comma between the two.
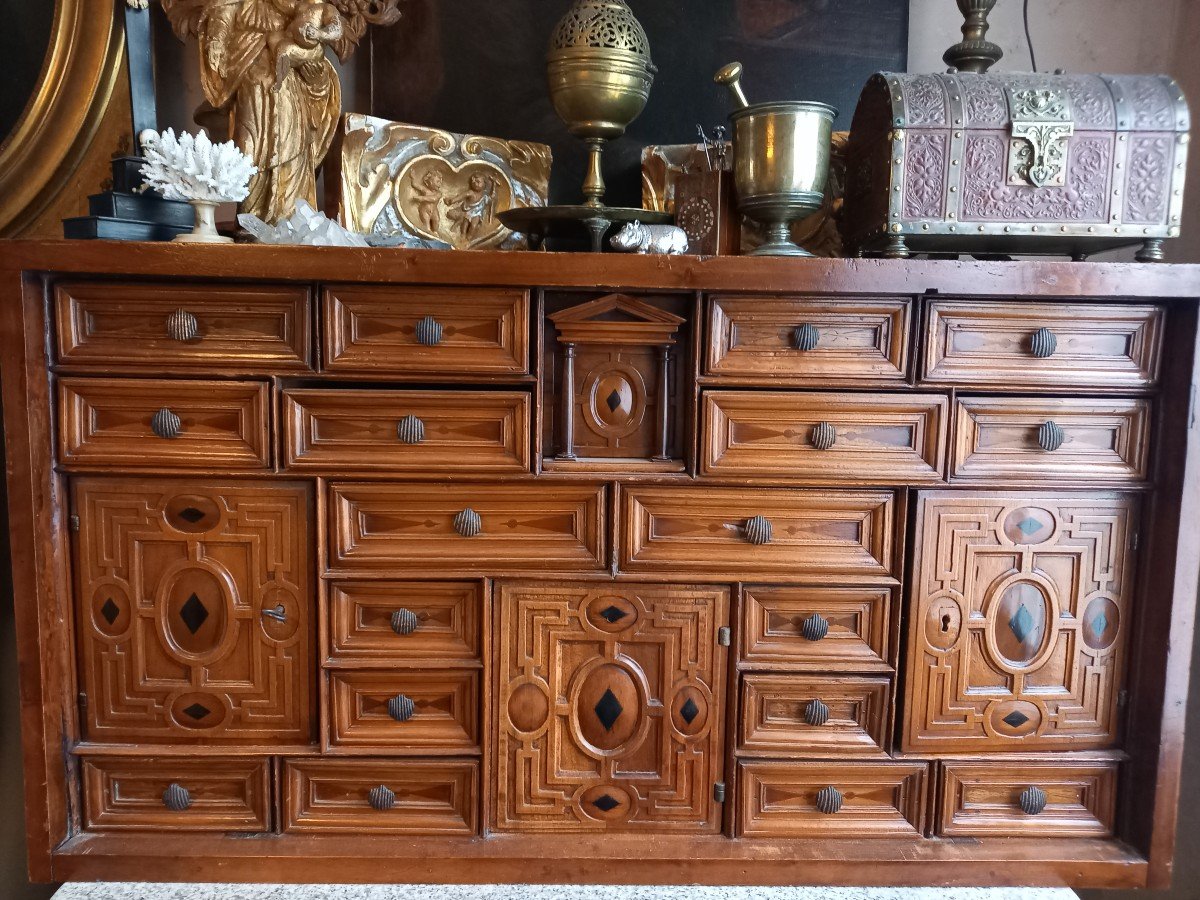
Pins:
x: 601, y: 25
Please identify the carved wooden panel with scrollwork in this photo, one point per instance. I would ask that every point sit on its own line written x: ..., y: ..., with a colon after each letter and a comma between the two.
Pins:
x: 194, y: 608
x: 610, y: 708
x: 1019, y: 619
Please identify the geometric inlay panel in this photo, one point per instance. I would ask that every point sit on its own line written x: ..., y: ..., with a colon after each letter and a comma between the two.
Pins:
x: 1017, y: 624
x: 195, y: 610
x: 610, y: 707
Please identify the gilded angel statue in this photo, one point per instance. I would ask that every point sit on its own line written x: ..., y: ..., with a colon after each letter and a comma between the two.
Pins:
x: 264, y: 61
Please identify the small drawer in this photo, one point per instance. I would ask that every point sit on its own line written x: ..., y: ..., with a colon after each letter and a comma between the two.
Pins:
x: 1027, y: 798
x: 779, y: 799
x: 826, y: 629
x: 177, y: 328
x: 478, y: 528
x: 407, y: 432
x: 369, y: 796
x: 806, y: 715
x: 450, y: 333
x: 179, y: 793
x: 396, y: 623
x: 809, y: 340
x: 398, y: 712
x: 731, y: 533
x: 1051, y: 346
x: 1029, y: 439
x: 144, y: 424
x: 833, y: 438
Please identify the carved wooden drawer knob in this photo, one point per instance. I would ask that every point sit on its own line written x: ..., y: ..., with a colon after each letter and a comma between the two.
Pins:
x: 829, y: 800
x: 814, y: 628
x: 758, y: 530
x: 176, y: 798
x: 1043, y: 343
x: 166, y: 424
x: 405, y: 621
x: 1033, y: 801
x: 411, y: 430
x: 182, y: 326
x: 1050, y: 436
x: 824, y: 436
x: 429, y: 332
x: 381, y: 798
x: 807, y: 337
x: 468, y: 523
x: 401, y: 708
x: 816, y: 713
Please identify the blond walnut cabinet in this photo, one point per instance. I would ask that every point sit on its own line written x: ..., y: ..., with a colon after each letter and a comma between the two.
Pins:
x: 350, y: 566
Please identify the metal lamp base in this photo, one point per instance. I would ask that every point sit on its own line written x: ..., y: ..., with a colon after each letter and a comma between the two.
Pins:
x: 780, y: 248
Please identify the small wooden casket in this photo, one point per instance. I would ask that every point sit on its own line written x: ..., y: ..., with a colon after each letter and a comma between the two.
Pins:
x: 984, y: 163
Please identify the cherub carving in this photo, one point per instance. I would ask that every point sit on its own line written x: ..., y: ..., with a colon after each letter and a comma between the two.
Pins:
x: 475, y: 208
x: 428, y: 196
x: 264, y: 62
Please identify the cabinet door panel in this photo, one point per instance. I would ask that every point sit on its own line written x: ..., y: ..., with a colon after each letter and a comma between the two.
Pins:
x: 1019, y: 620
x: 611, y: 707
x: 731, y: 533
x: 195, y: 610
x: 817, y: 629
x: 814, y: 715
x: 817, y: 437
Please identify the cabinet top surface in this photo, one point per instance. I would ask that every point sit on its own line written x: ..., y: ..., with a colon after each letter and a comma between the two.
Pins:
x: 586, y: 270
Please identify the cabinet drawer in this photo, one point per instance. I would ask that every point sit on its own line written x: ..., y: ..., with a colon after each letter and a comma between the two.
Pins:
x: 827, y: 629
x: 1030, y: 439
x: 1043, y: 345
x: 371, y: 796
x: 836, y: 438
x: 427, y: 711
x: 733, y: 532
x: 196, y: 794
x: 139, y: 424
x: 806, y: 715
x: 392, y: 623
x: 447, y: 332
x: 239, y: 329
x: 407, y: 432
x: 482, y: 528
x: 1026, y: 798
x: 831, y: 799
x: 772, y: 340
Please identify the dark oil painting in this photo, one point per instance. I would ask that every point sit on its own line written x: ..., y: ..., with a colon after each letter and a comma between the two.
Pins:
x: 478, y: 67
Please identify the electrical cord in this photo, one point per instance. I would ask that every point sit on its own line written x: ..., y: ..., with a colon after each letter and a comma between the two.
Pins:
x: 1029, y: 38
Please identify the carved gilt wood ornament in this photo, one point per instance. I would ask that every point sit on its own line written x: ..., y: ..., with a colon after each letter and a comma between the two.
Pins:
x: 264, y: 62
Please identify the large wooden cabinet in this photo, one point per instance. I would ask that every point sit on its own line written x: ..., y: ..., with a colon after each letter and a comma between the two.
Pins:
x: 420, y: 566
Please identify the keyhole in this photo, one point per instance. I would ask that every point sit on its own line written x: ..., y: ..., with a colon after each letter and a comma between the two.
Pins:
x: 945, y: 623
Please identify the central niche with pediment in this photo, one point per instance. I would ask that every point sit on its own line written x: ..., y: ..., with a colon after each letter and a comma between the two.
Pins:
x: 614, y: 385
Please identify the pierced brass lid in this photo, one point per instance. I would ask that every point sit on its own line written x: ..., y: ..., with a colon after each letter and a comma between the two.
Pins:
x: 601, y: 25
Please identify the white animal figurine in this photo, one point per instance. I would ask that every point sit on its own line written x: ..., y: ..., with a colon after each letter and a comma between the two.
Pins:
x: 656, y: 239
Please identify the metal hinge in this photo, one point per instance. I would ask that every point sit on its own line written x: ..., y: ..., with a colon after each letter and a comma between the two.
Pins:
x: 1122, y: 698
x: 719, y: 792
x: 74, y: 522
x: 82, y: 705
x: 1133, y: 543
x: 723, y: 636
x: 1191, y: 413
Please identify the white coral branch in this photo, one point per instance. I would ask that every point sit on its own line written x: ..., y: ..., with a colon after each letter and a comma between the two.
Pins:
x: 194, y: 168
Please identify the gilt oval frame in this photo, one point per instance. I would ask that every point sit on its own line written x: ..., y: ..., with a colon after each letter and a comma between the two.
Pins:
x: 81, y: 67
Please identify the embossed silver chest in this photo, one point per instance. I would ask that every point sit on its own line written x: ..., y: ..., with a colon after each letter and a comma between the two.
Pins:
x: 969, y: 162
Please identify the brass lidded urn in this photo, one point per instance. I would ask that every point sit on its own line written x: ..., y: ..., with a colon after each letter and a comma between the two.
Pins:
x: 600, y: 73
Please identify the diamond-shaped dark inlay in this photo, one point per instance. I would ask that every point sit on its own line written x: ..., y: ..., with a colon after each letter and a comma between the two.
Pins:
x: 193, y: 613
x: 1021, y: 623
x: 1015, y: 719
x: 612, y: 615
x: 1029, y: 526
x: 605, y: 803
x: 608, y: 709
x: 197, y: 711
x: 613, y: 400
x: 110, y: 611
x: 191, y: 514
x: 1099, y: 625
x: 689, y: 710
